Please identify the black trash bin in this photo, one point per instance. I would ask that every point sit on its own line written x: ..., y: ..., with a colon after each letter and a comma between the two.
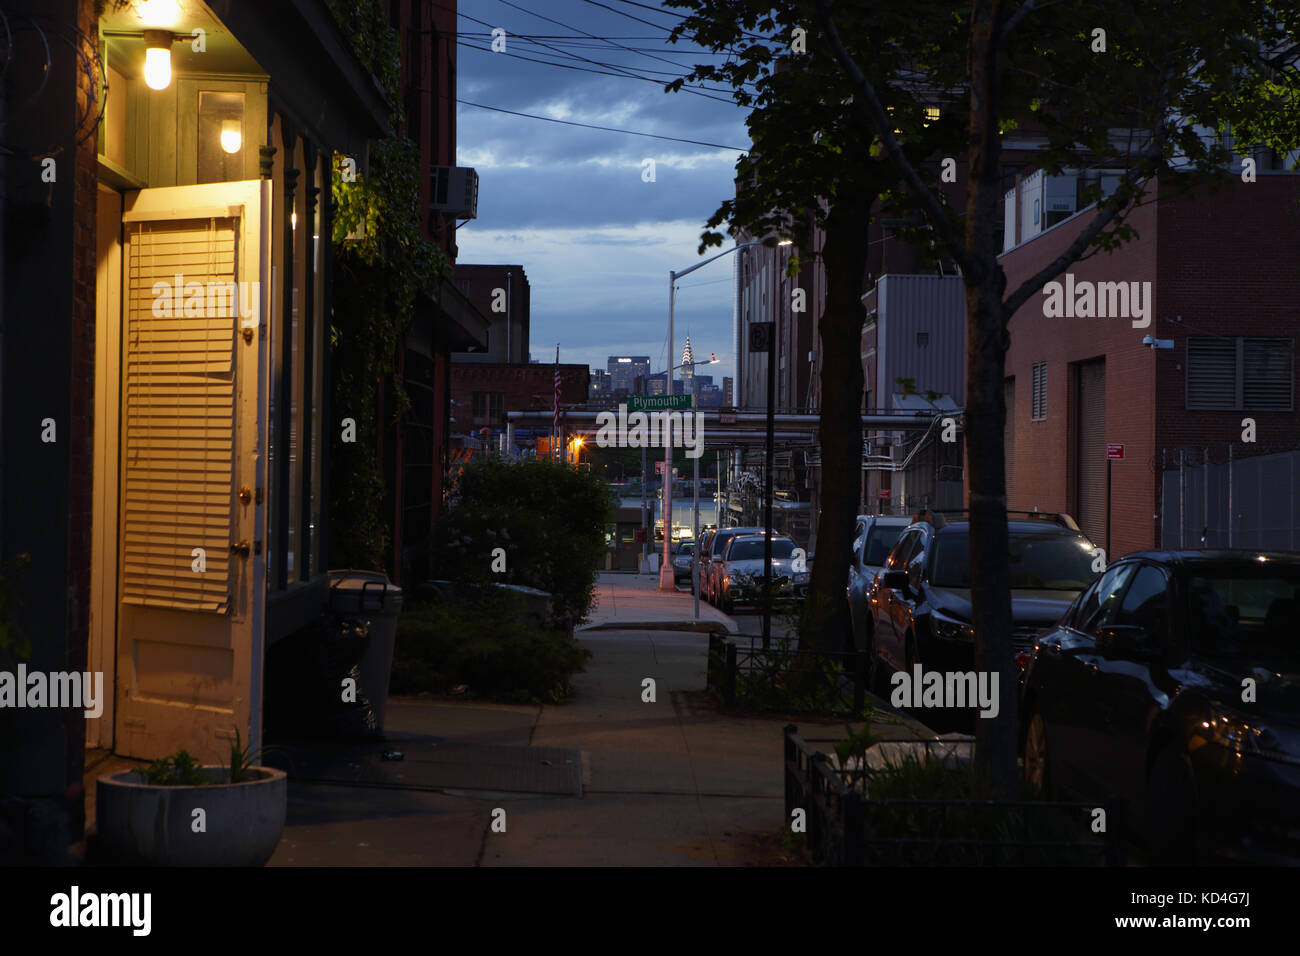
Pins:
x: 369, y: 595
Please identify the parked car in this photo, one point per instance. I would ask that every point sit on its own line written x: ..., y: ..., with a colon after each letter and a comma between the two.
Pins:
x: 739, y: 577
x: 683, y: 555
x: 872, y: 541
x: 921, y: 605
x: 1174, y: 682
x: 713, y: 557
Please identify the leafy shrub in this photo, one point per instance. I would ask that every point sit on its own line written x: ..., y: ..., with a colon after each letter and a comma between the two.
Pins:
x: 1031, y: 829
x: 178, y: 770
x: 549, y: 518
x: 481, y: 642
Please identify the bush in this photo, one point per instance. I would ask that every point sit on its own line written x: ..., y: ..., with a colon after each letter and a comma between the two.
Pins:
x: 481, y: 642
x: 549, y: 519
x: 1029, y: 828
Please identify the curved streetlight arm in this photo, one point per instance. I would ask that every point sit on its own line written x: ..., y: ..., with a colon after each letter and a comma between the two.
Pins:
x: 724, y: 252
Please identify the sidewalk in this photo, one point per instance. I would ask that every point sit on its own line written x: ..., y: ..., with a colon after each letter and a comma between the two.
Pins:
x: 634, y: 601
x: 668, y: 782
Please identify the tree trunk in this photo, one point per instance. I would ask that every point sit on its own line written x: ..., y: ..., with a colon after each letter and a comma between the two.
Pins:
x: 844, y: 255
x: 986, y: 346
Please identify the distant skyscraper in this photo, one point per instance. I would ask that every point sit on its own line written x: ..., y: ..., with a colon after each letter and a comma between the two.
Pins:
x: 624, y: 369
x: 688, y: 367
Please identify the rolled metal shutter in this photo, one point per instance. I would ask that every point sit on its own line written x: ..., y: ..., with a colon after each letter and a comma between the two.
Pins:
x: 1090, y: 448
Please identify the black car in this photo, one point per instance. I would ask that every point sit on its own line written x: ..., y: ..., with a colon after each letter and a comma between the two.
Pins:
x: 920, y: 609
x: 1174, y: 682
x: 683, y: 556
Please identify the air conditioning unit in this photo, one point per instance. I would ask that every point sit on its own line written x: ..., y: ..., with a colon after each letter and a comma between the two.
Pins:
x: 453, y: 191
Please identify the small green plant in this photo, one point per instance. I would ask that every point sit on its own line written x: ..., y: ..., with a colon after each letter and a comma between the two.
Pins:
x: 242, y: 760
x: 178, y: 770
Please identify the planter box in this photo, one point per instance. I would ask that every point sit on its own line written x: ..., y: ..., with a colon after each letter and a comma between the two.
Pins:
x: 145, y: 825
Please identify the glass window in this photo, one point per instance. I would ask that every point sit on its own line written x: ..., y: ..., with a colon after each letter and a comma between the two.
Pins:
x: 879, y: 542
x: 221, y: 137
x: 752, y: 550
x: 898, y: 557
x: 1049, y: 561
x: 1247, y: 610
x: 1098, y: 605
x: 1146, y: 603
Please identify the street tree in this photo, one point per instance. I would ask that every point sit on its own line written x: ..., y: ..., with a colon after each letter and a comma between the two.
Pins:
x: 1162, y: 90
x: 812, y: 172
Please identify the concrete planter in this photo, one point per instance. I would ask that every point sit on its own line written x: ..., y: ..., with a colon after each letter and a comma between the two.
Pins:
x: 145, y: 825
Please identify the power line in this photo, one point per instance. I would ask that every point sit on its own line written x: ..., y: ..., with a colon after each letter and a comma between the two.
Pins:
x: 583, y: 69
x: 607, y: 129
x: 584, y: 33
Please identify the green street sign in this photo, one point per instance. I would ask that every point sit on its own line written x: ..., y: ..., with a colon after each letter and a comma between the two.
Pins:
x: 659, y: 403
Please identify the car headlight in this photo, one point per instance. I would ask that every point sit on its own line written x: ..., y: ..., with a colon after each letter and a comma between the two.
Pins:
x: 950, y: 629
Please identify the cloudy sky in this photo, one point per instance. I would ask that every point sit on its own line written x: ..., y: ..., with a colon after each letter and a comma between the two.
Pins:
x: 570, y: 204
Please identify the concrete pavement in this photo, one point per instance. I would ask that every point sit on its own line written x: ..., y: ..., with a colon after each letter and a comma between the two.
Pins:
x: 634, y: 601
x: 665, y: 782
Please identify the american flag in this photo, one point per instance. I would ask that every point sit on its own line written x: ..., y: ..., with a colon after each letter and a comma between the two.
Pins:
x: 555, y: 421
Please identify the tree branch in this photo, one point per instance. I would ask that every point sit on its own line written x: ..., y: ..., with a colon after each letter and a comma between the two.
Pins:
x: 951, y: 239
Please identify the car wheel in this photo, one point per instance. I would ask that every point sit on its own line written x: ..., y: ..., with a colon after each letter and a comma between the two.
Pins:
x: 1170, y: 808
x: 875, y: 666
x: 1038, y: 774
x: 727, y: 604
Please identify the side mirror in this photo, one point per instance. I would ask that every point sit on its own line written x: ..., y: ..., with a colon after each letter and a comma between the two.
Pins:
x: 1126, y: 639
x: 894, y: 580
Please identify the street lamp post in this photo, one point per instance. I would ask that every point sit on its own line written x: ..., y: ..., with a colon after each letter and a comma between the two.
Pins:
x: 666, y: 569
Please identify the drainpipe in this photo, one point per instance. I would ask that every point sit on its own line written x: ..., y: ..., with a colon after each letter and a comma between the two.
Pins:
x: 509, y: 292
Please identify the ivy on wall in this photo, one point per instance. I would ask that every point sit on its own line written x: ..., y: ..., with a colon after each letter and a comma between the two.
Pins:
x: 377, y: 278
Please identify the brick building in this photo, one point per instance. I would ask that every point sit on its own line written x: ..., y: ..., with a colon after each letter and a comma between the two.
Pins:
x: 501, y: 294
x: 483, y: 393
x: 1226, y: 299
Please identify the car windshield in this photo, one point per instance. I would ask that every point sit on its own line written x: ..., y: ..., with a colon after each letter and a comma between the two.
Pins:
x: 1246, y: 610
x: 752, y: 549
x: 1045, y: 560
x: 879, y: 543
x: 686, y: 547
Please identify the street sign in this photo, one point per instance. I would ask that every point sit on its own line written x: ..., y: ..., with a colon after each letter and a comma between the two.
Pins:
x: 884, y: 492
x: 760, y: 336
x: 659, y: 468
x: 726, y: 418
x: 658, y: 403
x: 1115, y: 452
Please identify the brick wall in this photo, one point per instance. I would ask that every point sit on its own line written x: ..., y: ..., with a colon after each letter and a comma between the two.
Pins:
x: 523, y: 387
x: 1221, y: 263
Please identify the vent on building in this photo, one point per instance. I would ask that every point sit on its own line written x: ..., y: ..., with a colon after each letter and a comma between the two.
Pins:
x: 1039, y: 409
x: 453, y: 191
x: 1240, y: 374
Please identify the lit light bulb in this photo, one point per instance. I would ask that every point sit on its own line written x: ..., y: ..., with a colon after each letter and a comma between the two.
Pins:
x: 232, y: 137
x: 157, y: 59
x: 293, y: 219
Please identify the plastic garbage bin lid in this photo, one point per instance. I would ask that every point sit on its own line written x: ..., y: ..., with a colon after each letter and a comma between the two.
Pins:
x: 363, y: 591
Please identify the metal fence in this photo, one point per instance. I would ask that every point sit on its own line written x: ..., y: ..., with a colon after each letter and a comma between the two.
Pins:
x: 840, y: 820
x: 1212, y: 497
x: 743, y: 672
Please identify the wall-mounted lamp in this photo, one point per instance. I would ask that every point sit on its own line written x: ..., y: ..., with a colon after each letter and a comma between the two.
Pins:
x: 157, y: 59
x: 232, y: 135
x: 1152, y: 342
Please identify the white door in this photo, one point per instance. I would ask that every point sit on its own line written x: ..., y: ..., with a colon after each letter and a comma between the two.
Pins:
x: 191, y: 569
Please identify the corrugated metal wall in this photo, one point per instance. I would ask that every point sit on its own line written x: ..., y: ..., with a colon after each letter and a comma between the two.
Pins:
x: 1241, y: 503
x: 935, y: 306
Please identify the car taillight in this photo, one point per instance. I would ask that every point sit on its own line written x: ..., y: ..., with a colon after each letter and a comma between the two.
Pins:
x: 1022, y: 660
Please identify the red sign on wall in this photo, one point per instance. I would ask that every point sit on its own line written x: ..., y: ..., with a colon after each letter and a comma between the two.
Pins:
x: 1115, y: 452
